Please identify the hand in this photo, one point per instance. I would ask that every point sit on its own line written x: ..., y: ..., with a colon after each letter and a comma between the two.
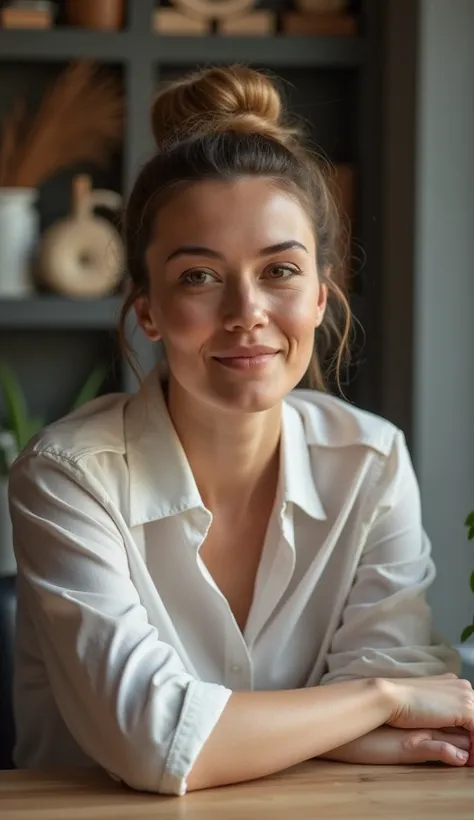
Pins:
x: 388, y: 746
x: 450, y: 746
x: 431, y: 703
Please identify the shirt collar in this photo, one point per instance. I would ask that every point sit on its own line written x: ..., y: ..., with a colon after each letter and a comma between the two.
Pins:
x: 298, y: 484
x: 161, y: 481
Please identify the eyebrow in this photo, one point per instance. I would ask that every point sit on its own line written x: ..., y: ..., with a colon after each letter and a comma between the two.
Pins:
x: 199, y: 250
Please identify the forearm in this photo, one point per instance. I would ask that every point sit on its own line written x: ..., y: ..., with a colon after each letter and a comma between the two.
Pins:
x: 260, y: 733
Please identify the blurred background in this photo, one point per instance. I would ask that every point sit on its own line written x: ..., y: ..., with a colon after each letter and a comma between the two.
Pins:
x: 386, y: 90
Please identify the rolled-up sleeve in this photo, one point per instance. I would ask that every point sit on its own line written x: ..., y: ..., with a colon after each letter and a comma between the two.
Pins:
x: 124, y: 695
x: 386, y: 624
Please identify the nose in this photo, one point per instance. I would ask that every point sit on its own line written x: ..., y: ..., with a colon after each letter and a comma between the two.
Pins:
x: 243, y: 307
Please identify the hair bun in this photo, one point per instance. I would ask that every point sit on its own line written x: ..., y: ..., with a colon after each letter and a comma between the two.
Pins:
x: 234, y: 98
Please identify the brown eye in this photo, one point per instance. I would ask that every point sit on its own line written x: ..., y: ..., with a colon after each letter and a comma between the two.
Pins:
x: 281, y: 271
x: 197, y: 277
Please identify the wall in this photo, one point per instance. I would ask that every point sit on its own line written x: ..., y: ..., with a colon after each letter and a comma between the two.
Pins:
x: 443, y: 319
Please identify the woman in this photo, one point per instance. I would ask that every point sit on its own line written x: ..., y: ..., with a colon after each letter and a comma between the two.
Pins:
x: 195, y: 561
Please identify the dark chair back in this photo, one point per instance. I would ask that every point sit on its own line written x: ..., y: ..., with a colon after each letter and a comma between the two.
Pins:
x: 7, y: 636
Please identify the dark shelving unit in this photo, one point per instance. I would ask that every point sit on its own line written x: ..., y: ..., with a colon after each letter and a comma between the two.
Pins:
x: 334, y: 85
x: 55, y: 312
x: 64, y: 44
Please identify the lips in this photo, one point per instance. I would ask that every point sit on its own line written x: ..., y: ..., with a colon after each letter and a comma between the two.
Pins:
x: 246, y: 358
x: 245, y: 352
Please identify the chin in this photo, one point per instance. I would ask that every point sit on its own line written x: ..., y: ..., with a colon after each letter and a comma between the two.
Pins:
x: 246, y: 398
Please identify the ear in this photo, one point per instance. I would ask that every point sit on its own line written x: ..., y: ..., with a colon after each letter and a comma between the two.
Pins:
x: 322, y: 297
x: 145, y: 318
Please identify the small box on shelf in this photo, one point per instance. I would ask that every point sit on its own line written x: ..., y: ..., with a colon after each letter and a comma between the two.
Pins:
x: 172, y: 21
x: 27, y: 14
x: 258, y: 23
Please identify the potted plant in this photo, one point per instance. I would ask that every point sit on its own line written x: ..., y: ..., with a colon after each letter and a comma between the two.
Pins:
x: 465, y: 649
x: 469, y: 524
x: 17, y: 429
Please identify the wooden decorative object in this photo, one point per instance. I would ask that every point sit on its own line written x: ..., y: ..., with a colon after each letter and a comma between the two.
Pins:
x: 172, y: 21
x: 105, y: 15
x: 37, y: 15
x: 257, y: 23
x: 233, y: 17
x: 213, y: 9
x: 82, y: 255
x: 319, y: 25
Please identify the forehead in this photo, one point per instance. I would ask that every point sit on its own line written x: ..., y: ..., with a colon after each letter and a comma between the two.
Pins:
x: 247, y: 211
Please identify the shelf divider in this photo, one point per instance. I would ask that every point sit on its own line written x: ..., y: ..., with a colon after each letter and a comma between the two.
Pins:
x: 58, y: 313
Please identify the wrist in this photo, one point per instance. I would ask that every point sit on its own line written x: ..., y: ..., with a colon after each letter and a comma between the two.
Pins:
x: 384, y: 746
x: 387, y: 696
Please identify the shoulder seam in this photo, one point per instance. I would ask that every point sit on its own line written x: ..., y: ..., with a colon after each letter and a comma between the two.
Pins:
x: 52, y: 455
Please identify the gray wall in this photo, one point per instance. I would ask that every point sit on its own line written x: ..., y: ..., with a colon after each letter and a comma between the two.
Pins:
x: 443, y: 411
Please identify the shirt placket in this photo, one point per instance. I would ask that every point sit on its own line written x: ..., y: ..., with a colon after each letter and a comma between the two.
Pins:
x: 237, y: 671
x: 274, y: 575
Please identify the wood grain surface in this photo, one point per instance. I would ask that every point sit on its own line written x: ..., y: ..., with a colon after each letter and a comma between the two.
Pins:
x: 312, y: 791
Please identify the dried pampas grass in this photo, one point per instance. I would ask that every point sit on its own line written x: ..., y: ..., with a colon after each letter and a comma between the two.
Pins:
x: 79, y: 120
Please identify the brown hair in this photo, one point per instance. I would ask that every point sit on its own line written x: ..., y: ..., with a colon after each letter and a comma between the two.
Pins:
x: 221, y: 123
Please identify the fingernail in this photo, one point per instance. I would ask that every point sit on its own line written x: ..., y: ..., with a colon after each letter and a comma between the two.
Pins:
x: 462, y: 755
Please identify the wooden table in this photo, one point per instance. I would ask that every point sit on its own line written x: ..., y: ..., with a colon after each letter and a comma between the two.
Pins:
x: 312, y: 791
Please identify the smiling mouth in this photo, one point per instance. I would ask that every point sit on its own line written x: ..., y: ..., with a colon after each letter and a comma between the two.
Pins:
x: 256, y: 362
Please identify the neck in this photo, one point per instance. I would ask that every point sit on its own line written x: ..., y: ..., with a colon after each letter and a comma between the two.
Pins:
x: 231, y: 455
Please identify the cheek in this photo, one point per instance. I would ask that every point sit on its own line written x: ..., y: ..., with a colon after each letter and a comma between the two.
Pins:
x: 184, y: 321
x: 298, y: 314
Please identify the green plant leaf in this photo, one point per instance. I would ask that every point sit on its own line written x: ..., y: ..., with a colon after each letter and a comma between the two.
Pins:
x: 91, y: 387
x: 469, y: 522
x: 470, y: 534
x: 35, y: 426
x: 467, y: 632
x: 472, y: 581
x: 17, y: 420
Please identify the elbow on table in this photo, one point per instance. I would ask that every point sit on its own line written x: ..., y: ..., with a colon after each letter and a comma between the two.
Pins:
x: 145, y: 774
x: 158, y: 752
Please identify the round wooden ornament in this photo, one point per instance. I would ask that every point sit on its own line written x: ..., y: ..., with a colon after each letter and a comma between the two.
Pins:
x: 82, y: 256
x: 213, y: 9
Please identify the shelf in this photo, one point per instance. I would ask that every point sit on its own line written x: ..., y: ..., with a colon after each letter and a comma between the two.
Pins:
x: 69, y: 44
x: 63, y: 44
x: 274, y: 51
x: 54, y: 312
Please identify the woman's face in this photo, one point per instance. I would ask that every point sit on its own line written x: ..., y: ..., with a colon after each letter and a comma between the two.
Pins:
x: 234, y: 293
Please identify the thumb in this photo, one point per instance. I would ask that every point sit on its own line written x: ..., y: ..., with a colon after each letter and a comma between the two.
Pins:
x: 425, y: 750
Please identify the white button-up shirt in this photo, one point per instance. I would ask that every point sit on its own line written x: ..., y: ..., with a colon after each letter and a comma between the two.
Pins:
x: 127, y: 652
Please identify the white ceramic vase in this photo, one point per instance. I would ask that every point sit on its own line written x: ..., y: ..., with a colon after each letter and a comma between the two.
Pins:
x: 7, y: 557
x: 19, y: 232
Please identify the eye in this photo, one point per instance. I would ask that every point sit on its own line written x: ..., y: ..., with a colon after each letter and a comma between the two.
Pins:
x: 197, y: 277
x: 281, y: 271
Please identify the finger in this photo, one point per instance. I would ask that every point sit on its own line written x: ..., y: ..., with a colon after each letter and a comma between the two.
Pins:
x: 431, y: 750
x: 468, y: 726
x: 455, y: 730
x: 461, y: 739
x: 445, y: 676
